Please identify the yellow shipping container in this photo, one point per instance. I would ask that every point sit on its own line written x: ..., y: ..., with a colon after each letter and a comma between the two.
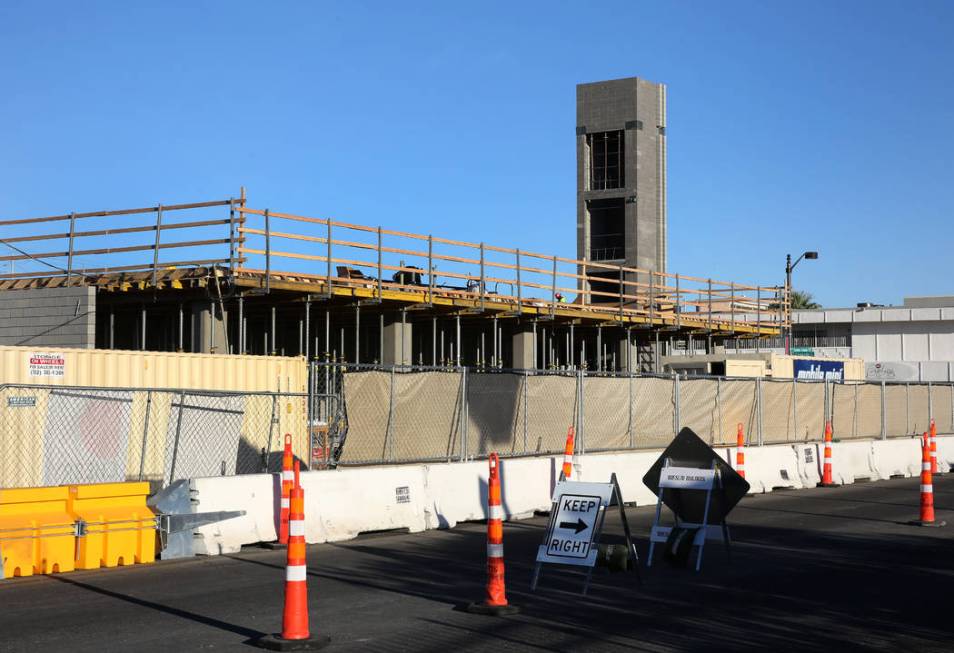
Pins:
x: 151, y: 369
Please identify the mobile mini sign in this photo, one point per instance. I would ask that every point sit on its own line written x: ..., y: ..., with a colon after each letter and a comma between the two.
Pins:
x: 47, y: 364
x: 816, y: 370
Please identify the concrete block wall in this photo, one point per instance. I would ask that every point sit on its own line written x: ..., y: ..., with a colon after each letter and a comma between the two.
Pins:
x: 48, y: 317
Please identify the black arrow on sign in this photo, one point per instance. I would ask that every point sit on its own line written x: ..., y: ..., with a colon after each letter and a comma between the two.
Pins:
x: 579, y: 526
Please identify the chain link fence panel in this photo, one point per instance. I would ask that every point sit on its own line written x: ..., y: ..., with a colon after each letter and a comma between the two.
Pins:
x: 655, y: 411
x: 739, y: 405
x: 699, y: 408
x: 778, y: 411
x: 606, y: 413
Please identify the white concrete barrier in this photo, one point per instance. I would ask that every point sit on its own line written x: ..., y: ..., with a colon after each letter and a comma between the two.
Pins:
x: 898, y: 457
x: 809, y: 457
x: 253, y: 493
x: 852, y: 461
x: 340, y: 504
x: 457, y: 492
x: 770, y: 467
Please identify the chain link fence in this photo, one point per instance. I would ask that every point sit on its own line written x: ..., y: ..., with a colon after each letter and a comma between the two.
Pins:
x: 416, y: 414
x: 60, y: 435
x: 360, y: 415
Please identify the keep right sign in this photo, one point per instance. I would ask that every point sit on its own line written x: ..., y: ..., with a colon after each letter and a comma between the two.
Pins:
x: 575, y: 525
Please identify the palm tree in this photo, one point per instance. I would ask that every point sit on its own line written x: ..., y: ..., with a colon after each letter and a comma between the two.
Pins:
x: 802, y: 299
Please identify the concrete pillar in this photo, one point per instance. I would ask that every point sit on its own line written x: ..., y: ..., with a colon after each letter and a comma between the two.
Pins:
x: 397, y: 343
x: 202, y: 317
x: 522, y: 350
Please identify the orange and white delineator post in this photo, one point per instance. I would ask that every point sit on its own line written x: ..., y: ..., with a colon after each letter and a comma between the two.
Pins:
x: 288, y: 481
x: 568, y: 453
x: 933, y: 442
x: 496, y: 602
x: 740, y: 451
x: 295, y: 635
x: 826, y: 467
x: 927, y: 486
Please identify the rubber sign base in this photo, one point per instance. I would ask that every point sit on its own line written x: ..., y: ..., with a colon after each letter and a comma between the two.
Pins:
x: 275, y: 642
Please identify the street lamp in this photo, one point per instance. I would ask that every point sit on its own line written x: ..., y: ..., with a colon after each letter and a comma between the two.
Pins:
x: 789, y: 266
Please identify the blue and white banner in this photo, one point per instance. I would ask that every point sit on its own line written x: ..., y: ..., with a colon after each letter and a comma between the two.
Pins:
x: 814, y: 370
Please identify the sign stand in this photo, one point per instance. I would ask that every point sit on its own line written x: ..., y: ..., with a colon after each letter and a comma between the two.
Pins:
x: 579, y: 507
x: 690, y: 478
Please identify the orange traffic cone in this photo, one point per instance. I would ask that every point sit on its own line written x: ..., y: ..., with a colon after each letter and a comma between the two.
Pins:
x: 934, y: 470
x: 927, y: 487
x: 288, y: 480
x: 568, y: 454
x: 295, y: 635
x: 496, y: 602
x: 826, y: 468
x: 740, y: 451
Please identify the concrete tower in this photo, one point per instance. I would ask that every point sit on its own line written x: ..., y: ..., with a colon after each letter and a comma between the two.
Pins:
x: 621, y: 176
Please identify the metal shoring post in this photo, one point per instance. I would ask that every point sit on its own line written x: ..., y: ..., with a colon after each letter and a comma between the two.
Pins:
x: 268, y: 254
x: 572, y: 346
x: 381, y: 338
x: 457, y: 342
x: 495, y: 359
x: 884, y: 414
x: 599, y: 349
x: 145, y: 434
x: 155, y: 249
x: 543, y: 336
x: 656, y: 354
x: 175, y: 444
x: 69, y: 260
x: 241, y: 325
x: 535, y: 344
x: 404, y: 357
x: 301, y: 338
x: 142, y: 343
x: 211, y: 327
x: 273, y: 350
x: 112, y: 326
x: 434, y: 341
x: 307, y: 327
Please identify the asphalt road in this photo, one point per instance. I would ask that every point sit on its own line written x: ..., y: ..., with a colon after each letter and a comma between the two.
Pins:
x: 821, y: 569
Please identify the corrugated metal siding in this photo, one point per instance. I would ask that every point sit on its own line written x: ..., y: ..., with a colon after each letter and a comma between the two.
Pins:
x: 135, y: 369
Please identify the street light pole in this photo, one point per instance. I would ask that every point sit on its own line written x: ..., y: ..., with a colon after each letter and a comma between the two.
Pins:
x: 789, y: 266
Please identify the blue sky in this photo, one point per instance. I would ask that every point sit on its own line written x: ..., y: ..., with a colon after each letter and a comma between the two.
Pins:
x: 792, y: 126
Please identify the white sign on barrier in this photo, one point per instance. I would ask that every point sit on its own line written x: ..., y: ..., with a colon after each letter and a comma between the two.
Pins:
x: 686, y: 478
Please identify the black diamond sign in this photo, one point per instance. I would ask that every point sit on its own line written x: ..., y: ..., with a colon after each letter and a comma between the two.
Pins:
x: 688, y: 450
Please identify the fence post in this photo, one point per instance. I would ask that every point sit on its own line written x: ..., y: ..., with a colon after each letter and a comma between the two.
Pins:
x: 632, y: 435
x: 675, y: 401
x: 884, y: 414
x: 827, y: 408
x: 907, y: 408
x: 463, y: 414
x: 581, y: 432
x: 526, y: 408
x: 794, y: 409
x: 719, y: 407
x: 854, y: 419
x: 389, y: 434
x: 145, y: 434
x: 758, y: 404
x: 175, y: 443
x: 930, y: 402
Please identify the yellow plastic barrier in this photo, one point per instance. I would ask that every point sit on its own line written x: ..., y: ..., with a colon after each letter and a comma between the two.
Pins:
x: 36, y: 531
x: 120, y: 528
